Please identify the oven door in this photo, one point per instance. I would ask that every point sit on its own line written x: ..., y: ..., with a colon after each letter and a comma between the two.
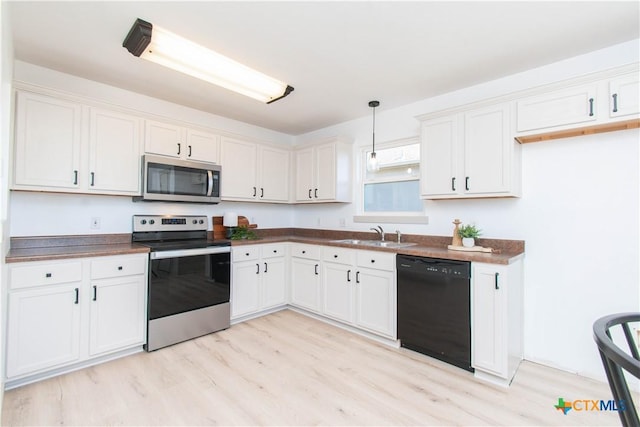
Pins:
x: 184, y: 280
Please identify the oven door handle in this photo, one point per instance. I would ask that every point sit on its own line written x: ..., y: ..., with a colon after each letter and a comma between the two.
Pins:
x: 189, y: 252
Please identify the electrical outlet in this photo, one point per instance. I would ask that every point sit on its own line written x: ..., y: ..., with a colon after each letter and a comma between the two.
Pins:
x: 95, y: 223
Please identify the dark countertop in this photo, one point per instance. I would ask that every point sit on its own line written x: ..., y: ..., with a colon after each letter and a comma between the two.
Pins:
x: 42, y: 248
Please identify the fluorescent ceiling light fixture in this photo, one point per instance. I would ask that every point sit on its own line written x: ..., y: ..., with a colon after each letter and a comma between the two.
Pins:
x: 158, y: 45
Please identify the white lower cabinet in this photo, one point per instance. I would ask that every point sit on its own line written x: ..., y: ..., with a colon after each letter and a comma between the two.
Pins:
x: 305, y: 276
x: 58, y: 315
x: 258, y: 278
x: 359, y: 288
x: 496, y: 320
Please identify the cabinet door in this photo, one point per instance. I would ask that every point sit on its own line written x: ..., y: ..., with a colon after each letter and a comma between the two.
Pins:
x: 274, y: 282
x: 376, y: 301
x: 239, y: 169
x: 489, y: 352
x: 624, y: 97
x: 487, y: 154
x: 48, y: 139
x: 245, y: 288
x: 202, y: 146
x: 439, y: 157
x: 163, y: 138
x: 114, y: 152
x: 43, y: 328
x: 338, y: 291
x: 305, y: 283
x: 325, y: 167
x: 305, y: 180
x: 274, y: 175
x: 558, y: 108
x: 118, y: 314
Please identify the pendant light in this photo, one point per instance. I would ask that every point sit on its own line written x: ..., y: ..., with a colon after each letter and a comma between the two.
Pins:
x: 372, y: 161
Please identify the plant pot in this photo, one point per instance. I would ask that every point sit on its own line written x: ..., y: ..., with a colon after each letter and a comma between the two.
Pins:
x: 468, y: 242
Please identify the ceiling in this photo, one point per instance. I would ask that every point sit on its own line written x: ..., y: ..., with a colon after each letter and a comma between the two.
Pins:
x: 337, y: 55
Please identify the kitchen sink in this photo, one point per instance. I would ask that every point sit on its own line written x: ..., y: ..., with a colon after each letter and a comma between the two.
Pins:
x: 376, y: 243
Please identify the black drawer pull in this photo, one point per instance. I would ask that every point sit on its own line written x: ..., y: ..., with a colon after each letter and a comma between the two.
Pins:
x: 357, y: 277
x: 335, y: 256
x: 615, y: 102
x: 257, y: 268
x: 373, y: 260
x: 265, y: 267
x: 590, y: 107
x: 77, y: 295
x: 93, y: 178
x: 47, y: 275
x: 466, y: 183
x: 178, y: 148
x: 310, y: 194
x: 316, y: 269
x: 119, y: 267
x: 453, y: 184
x: 75, y: 177
x: 304, y: 252
x: 348, y: 275
x: 95, y: 293
x: 496, y: 280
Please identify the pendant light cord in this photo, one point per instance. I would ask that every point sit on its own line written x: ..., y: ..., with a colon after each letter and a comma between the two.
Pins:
x: 374, y: 130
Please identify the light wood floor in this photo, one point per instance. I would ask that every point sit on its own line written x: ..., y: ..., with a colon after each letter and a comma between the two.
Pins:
x: 288, y: 369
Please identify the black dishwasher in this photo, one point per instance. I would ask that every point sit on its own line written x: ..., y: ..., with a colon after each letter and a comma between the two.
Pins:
x: 433, y: 308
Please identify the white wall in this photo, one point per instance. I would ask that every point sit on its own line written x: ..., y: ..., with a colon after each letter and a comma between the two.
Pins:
x: 578, y: 214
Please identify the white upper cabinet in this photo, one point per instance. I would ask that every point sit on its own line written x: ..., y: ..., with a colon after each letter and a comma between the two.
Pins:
x: 624, y: 95
x: 114, y: 152
x: 171, y: 140
x: 323, y: 172
x: 564, y: 107
x: 254, y: 172
x: 600, y: 102
x: 470, y: 154
x: 47, y: 143
x: 62, y: 145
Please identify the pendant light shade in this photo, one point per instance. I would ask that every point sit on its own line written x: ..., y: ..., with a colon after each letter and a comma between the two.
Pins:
x: 158, y: 45
x: 372, y: 161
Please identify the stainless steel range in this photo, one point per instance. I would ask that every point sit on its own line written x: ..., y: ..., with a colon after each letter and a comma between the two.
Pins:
x: 189, y: 278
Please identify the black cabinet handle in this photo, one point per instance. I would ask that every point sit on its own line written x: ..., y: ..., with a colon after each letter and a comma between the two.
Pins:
x: 95, y: 293
x: 75, y: 177
x: 496, y: 280
x: 466, y: 183
x: 265, y: 267
x: 255, y: 191
x: 615, y: 102
x: 257, y: 268
x: 335, y: 256
x: 261, y: 192
x: 590, y: 107
x: 304, y: 252
x: 47, y: 275
x: 372, y: 261
x: 357, y: 277
x: 315, y: 193
x: 246, y: 254
x: 179, y: 148
x: 310, y: 194
x: 348, y: 275
x: 315, y: 268
x: 275, y: 251
x: 77, y: 295
x: 453, y: 184
x: 189, y: 150
x: 93, y: 178
x: 119, y: 268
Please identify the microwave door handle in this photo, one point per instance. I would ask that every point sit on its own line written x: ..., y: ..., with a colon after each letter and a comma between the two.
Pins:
x: 210, y: 177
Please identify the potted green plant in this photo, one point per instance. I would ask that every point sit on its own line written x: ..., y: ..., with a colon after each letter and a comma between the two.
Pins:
x: 243, y: 233
x: 469, y: 234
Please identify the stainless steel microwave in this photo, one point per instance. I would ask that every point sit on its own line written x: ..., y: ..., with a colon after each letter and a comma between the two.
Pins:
x: 174, y: 180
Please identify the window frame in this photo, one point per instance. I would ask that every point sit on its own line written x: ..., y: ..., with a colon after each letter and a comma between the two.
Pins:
x: 396, y: 217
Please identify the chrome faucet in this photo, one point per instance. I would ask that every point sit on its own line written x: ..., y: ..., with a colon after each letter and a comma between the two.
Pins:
x: 399, y: 235
x: 380, y: 231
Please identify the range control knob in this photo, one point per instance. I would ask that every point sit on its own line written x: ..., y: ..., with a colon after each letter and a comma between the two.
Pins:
x: 152, y: 221
x: 195, y: 221
x: 201, y: 221
x: 143, y: 222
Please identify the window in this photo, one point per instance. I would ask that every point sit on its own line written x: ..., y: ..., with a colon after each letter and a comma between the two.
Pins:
x: 394, y: 190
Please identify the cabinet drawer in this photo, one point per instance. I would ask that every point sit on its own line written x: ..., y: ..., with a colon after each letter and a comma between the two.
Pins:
x: 45, y: 274
x: 340, y: 255
x: 377, y: 260
x: 273, y: 250
x: 245, y: 253
x: 117, y: 267
x: 300, y: 250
